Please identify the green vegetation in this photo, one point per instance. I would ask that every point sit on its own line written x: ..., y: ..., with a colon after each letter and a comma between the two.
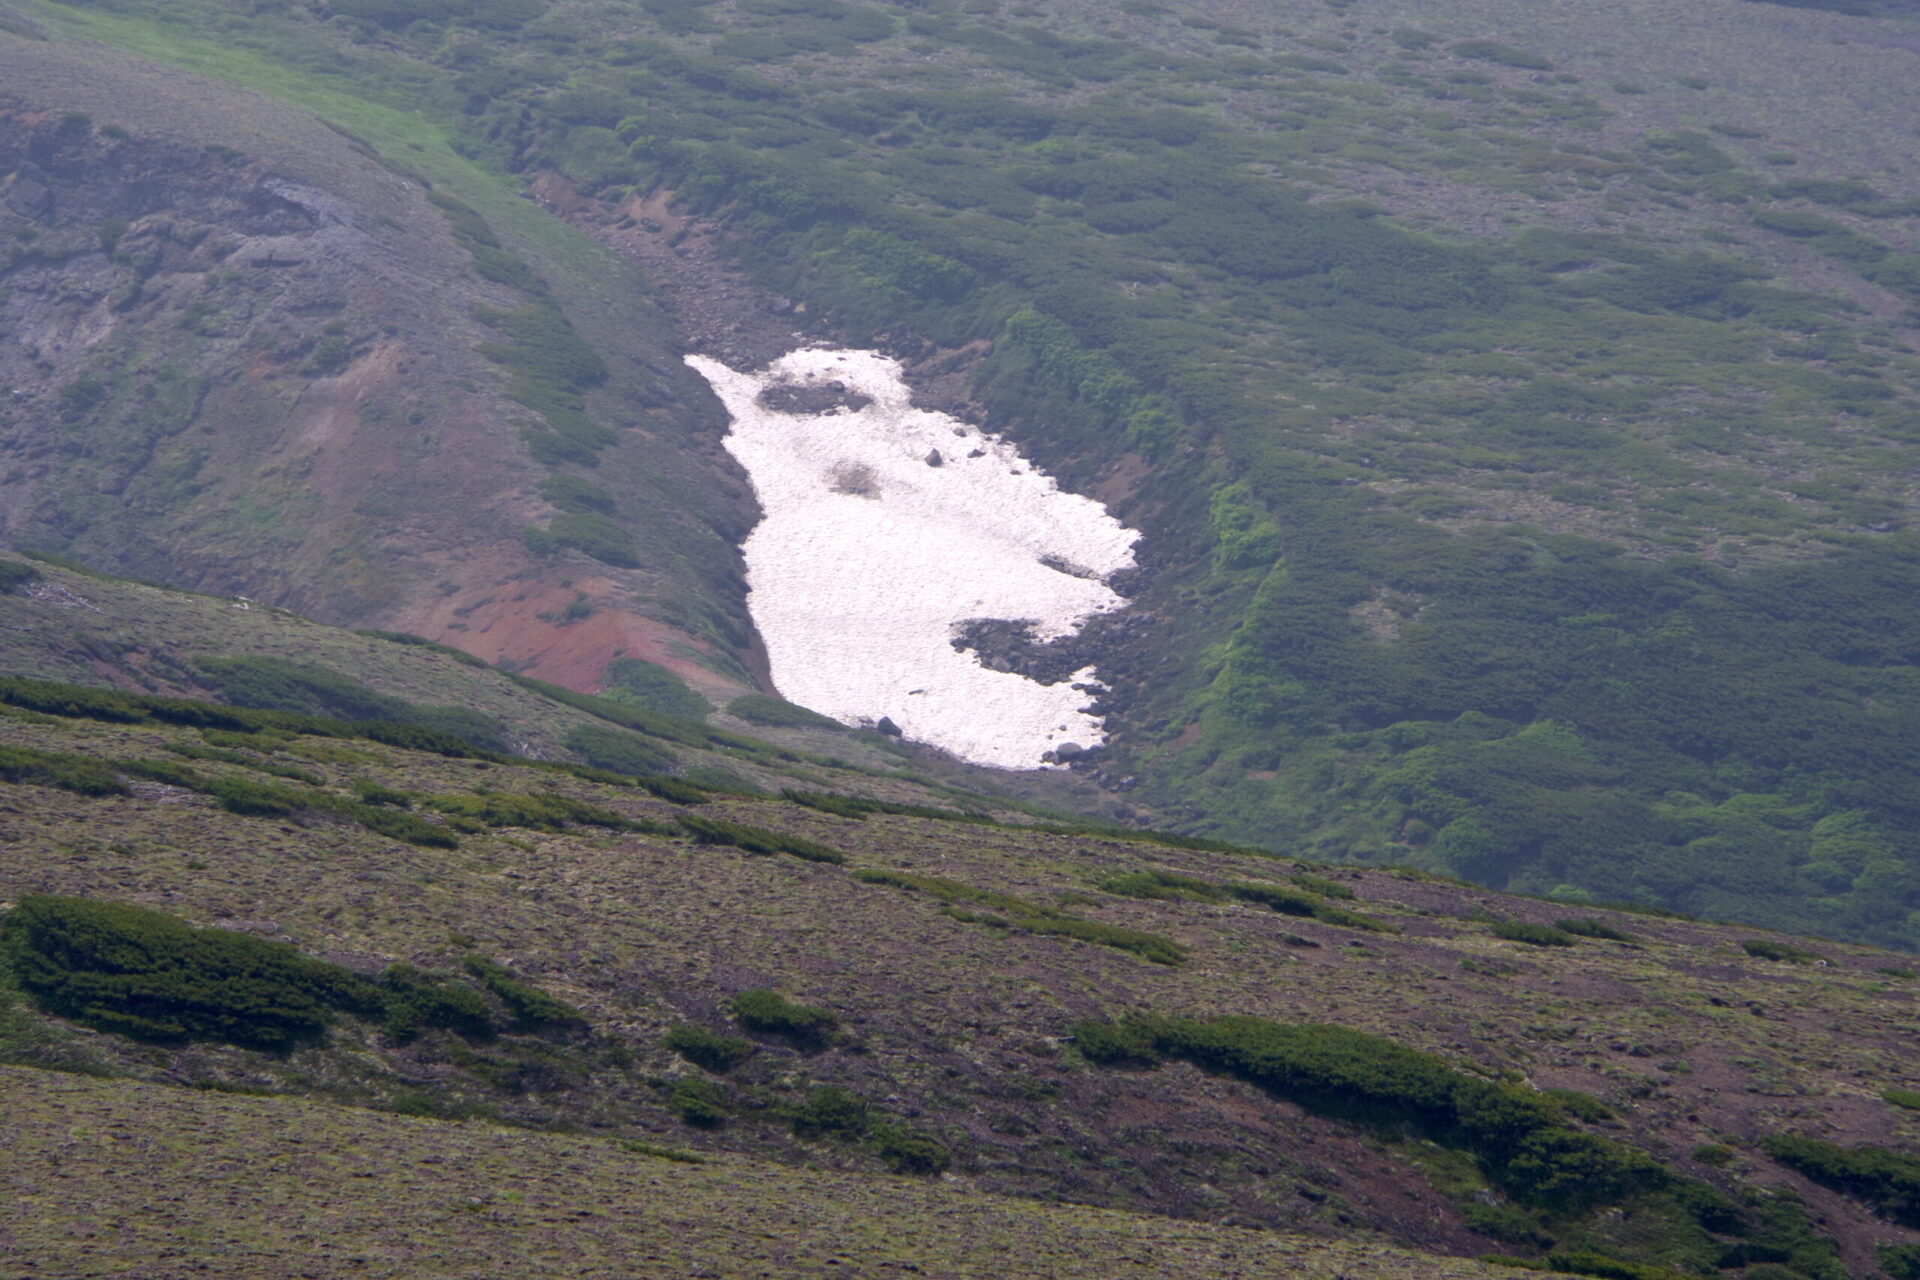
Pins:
x: 641, y: 720
x: 758, y: 708
x: 598, y: 536
x: 486, y: 1042
x: 832, y: 1112
x: 1285, y: 900
x: 1324, y: 887
x: 1148, y: 946
x: 413, y: 1001
x: 838, y: 806
x: 1521, y: 1137
x: 268, y: 800
x: 1697, y: 612
x: 1588, y: 927
x: 707, y: 1048
x: 1886, y: 1181
x: 1536, y: 935
x: 151, y: 976
x: 858, y: 807
x: 771, y: 1013
x: 81, y: 774
x: 1907, y: 1099
x: 619, y: 752
x: 1565, y: 556
x: 1593, y: 1264
x: 545, y: 812
x: 700, y: 1103
x: 652, y: 688
x: 1772, y: 949
x: 14, y: 575
x: 550, y: 370
x: 412, y: 641
x: 758, y: 839
x: 531, y: 1008
x: 223, y: 755
x: 1162, y: 884
x: 1504, y: 54
x: 907, y: 1150
x: 148, y: 975
x: 272, y: 684
x: 1901, y: 1261
x: 1013, y: 911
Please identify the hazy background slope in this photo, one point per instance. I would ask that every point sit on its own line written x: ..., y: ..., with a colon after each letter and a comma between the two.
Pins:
x: 1518, y: 404
x: 246, y: 355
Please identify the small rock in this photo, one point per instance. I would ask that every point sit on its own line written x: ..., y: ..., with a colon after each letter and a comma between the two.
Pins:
x: 1068, y: 750
x: 887, y: 726
x: 934, y: 459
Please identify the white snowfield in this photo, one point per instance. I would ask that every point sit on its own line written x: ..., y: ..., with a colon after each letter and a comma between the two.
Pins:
x: 871, y: 557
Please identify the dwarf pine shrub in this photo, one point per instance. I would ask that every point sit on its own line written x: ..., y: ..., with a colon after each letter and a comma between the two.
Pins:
x: 1161, y: 884
x: 1535, y: 935
x: 700, y: 1103
x: 151, y: 976
x: 531, y: 1008
x: 707, y: 1048
x: 536, y: 813
x: 858, y: 807
x: 838, y: 806
x: 830, y: 1111
x: 1887, y: 1181
x: 14, y: 575
x: 771, y: 1013
x: 758, y: 839
x: 80, y: 774
x: 413, y: 1001
x: 1589, y: 927
x: 1768, y: 949
x: 758, y: 708
x: 907, y: 1150
x: 1520, y: 1135
x: 1017, y: 912
x: 619, y: 752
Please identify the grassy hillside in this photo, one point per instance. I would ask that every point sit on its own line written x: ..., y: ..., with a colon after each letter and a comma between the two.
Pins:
x: 859, y: 980
x: 1516, y: 402
x: 406, y: 1197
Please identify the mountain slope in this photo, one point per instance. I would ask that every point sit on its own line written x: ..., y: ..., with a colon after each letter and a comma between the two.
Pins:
x: 947, y: 995
x: 254, y: 356
x: 422, y: 1194
x: 1517, y: 406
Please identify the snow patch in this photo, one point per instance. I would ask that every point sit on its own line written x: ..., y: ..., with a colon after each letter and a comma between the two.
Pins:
x: 872, y: 555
